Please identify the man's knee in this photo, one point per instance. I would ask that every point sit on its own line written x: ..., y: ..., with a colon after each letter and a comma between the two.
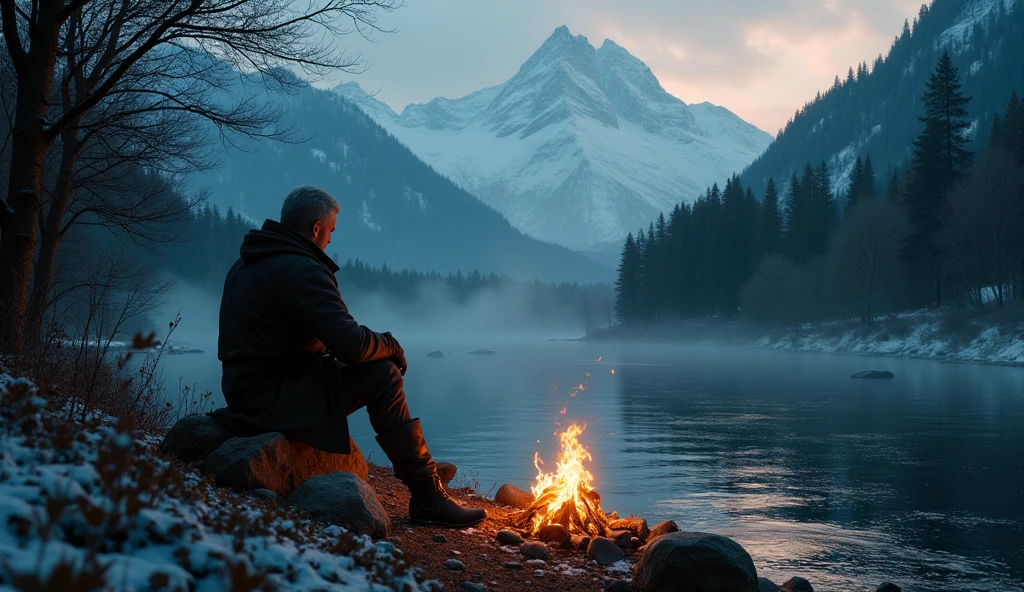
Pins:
x: 389, y: 373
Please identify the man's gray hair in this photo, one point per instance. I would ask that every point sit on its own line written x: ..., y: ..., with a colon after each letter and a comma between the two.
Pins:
x: 305, y: 205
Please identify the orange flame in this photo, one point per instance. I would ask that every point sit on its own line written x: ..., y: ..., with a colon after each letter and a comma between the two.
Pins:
x: 567, y: 492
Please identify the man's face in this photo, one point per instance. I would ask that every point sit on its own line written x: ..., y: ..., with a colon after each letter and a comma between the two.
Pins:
x: 322, y: 230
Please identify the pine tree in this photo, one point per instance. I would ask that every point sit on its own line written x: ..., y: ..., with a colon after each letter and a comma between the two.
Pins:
x: 824, y: 210
x: 893, y: 189
x: 769, y: 227
x: 862, y: 184
x: 940, y: 157
x: 797, y: 216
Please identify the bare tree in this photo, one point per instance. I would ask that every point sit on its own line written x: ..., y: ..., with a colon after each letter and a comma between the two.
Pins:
x: 982, y: 229
x: 865, y: 254
x: 163, y: 49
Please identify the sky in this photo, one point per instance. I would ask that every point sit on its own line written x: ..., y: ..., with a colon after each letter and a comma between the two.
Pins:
x: 761, y: 59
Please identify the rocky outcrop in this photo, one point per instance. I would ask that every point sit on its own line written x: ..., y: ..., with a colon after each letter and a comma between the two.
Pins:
x: 695, y: 561
x: 436, y: 354
x: 342, y: 498
x: 272, y: 461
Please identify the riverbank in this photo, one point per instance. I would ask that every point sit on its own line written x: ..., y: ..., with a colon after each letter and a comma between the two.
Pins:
x: 948, y: 336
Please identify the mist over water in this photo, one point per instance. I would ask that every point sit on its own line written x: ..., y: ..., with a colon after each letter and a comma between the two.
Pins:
x: 918, y: 480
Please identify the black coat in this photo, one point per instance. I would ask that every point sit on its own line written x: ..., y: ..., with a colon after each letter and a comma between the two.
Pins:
x: 283, y: 330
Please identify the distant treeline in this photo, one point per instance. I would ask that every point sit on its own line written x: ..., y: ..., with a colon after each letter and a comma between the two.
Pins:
x: 213, y: 240
x: 949, y: 229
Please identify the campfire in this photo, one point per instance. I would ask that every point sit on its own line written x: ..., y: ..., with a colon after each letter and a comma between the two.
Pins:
x: 566, y: 496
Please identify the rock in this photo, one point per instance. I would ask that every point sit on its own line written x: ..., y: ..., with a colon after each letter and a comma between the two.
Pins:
x: 635, y: 543
x: 797, y: 584
x: 637, y: 526
x: 662, y: 528
x: 436, y: 354
x: 482, y: 350
x: 553, y: 533
x: 439, y: 538
x: 513, y: 565
x: 706, y: 562
x: 613, y: 585
x: 473, y: 587
x: 454, y: 565
x: 535, y: 550
x: 342, y: 498
x: 580, y: 541
x: 604, y: 551
x: 766, y: 585
x: 621, y: 538
x: 888, y: 587
x: 272, y: 461
x: 193, y: 437
x: 873, y: 374
x: 446, y: 471
x: 539, y: 573
x: 507, y: 537
x: 510, y: 495
x: 265, y: 494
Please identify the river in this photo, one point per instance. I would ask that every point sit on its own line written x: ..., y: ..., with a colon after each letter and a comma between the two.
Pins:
x: 917, y: 480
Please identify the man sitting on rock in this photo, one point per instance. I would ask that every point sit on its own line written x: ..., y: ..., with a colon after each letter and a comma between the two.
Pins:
x: 296, y: 362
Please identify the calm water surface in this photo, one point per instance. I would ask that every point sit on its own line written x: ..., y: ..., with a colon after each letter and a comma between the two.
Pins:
x: 917, y: 480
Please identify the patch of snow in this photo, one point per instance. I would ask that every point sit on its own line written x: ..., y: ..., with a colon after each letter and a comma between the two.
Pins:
x: 367, y: 219
x: 319, y: 154
x: 973, y: 13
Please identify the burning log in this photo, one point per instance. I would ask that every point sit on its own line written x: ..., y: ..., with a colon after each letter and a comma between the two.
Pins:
x: 566, y: 496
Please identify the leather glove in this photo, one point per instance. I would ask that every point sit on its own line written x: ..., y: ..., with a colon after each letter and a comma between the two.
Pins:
x: 397, y: 353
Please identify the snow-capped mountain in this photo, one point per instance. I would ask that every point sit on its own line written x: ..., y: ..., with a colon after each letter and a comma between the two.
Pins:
x: 580, y: 147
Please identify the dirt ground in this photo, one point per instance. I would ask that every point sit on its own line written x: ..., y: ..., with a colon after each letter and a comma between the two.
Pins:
x: 484, y: 558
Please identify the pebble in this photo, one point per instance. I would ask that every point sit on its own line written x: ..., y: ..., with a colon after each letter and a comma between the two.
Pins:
x: 455, y: 564
x: 539, y: 573
x: 513, y: 565
x: 454, y: 552
x: 614, y: 585
x: 537, y: 563
x: 473, y: 587
x: 535, y: 550
x: 439, y: 538
x: 507, y: 537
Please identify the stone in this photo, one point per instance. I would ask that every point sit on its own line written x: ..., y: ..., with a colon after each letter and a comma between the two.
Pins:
x: 604, y: 551
x: 888, y: 587
x: 513, y: 565
x: 637, y: 526
x: 536, y: 563
x: 580, y: 541
x: 272, y: 461
x: 538, y: 573
x: 266, y: 494
x: 873, y: 374
x: 706, y: 562
x: 510, y: 495
x: 454, y: 565
x: 507, y: 537
x: 473, y: 587
x: 766, y: 585
x: 535, y: 550
x: 635, y: 543
x: 436, y: 354
x: 621, y: 538
x: 342, y: 498
x: 439, y: 538
x: 614, y: 585
x: 662, y: 528
x: 553, y: 533
x: 797, y: 584
x: 193, y: 437
x: 446, y: 471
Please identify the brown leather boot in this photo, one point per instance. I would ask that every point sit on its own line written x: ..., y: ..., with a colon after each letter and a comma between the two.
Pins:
x: 430, y: 502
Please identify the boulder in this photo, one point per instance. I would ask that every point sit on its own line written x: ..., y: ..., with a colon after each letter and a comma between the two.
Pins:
x: 873, y: 374
x: 535, y: 550
x: 553, y: 533
x: 604, y: 551
x: 580, y: 541
x: 637, y: 526
x: 193, y: 437
x: 344, y: 499
x: 446, y: 471
x: 698, y: 561
x: 797, y: 584
x: 766, y: 585
x: 272, y: 461
x: 621, y: 538
x: 507, y: 537
x: 662, y: 528
x: 888, y: 587
x: 436, y: 354
x: 510, y: 495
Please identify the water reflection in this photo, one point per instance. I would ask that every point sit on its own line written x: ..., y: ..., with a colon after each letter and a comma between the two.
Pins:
x: 918, y: 480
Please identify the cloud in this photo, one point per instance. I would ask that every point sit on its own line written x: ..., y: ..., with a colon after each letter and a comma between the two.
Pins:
x: 760, y: 58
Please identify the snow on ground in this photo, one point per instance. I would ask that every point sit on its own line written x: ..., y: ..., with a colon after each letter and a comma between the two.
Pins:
x: 920, y: 334
x: 91, y: 506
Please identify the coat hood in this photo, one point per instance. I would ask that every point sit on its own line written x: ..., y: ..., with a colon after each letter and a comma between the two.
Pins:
x: 275, y: 239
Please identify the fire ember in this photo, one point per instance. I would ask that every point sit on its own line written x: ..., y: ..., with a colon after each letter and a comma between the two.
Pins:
x: 566, y: 496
